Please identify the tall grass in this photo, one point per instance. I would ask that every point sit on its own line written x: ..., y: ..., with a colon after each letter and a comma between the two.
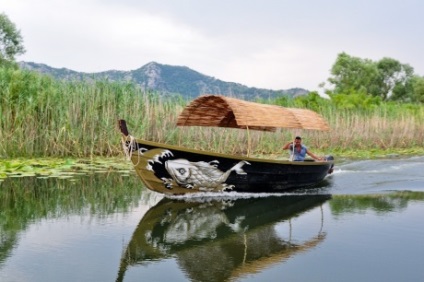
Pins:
x: 41, y: 116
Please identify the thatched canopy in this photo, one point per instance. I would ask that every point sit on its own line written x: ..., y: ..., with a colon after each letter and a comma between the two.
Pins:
x: 221, y: 111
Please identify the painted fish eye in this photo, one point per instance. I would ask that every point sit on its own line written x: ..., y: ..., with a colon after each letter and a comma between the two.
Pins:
x: 181, y: 170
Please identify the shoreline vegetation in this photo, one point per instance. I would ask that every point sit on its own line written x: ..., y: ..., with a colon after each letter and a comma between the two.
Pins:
x: 46, y: 118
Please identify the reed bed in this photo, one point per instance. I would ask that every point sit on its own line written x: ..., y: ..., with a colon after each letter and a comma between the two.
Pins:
x: 42, y: 117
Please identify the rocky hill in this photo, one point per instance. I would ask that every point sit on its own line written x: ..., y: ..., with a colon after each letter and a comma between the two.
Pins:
x: 168, y: 79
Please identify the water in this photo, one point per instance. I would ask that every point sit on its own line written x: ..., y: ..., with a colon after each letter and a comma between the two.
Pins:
x: 363, y: 223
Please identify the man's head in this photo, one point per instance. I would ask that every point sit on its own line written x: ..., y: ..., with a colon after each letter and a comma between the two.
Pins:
x: 297, y: 140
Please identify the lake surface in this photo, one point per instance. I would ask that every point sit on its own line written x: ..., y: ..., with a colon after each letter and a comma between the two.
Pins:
x: 365, y: 222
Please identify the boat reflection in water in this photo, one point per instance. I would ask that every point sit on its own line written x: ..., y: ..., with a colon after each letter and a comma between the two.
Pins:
x: 220, y: 238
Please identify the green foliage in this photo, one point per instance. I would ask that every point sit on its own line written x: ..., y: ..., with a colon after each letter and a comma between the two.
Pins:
x: 42, y: 117
x: 11, y: 42
x: 57, y: 168
x: 45, y: 117
x: 394, y: 79
x: 418, y: 86
x: 354, y: 74
x: 386, y: 78
x: 312, y: 101
x: 355, y: 101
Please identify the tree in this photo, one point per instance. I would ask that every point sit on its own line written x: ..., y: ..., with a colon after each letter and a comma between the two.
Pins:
x: 418, y: 86
x: 352, y: 74
x: 386, y: 78
x: 394, y: 77
x: 11, y: 42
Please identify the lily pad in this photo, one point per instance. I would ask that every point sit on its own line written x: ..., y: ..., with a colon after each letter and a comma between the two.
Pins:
x: 62, y: 168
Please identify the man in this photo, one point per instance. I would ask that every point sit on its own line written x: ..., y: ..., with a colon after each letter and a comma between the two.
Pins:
x: 300, y: 150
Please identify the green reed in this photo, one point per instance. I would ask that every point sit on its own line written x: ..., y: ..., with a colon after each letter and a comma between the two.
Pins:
x: 41, y: 116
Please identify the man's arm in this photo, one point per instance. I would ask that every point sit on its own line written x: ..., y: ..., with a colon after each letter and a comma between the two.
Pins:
x: 313, y: 156
x: 287, y: 146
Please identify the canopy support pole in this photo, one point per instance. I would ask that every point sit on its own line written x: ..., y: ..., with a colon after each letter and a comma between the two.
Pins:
x: 248, y: 141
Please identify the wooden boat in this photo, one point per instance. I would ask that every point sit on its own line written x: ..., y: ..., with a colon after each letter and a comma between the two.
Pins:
x: 204, y: 234
x: 175, y: 170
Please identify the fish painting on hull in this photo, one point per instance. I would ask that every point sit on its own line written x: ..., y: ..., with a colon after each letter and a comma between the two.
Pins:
x: 204, y: 176
x: 196, y: 175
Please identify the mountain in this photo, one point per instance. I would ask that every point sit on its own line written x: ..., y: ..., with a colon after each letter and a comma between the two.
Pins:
x: 168, y: 79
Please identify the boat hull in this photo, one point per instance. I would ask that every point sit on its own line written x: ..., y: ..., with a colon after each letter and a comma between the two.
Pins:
x: 175, y: 170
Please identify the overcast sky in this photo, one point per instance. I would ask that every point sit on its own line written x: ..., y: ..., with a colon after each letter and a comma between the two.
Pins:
x: 273, y: 44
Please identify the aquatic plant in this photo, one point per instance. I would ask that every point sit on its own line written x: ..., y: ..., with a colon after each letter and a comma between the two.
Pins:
x: 44, y: 117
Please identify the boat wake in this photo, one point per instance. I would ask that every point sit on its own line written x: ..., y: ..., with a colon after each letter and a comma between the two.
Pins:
x: 379, y: 175
x: 213, y: 196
